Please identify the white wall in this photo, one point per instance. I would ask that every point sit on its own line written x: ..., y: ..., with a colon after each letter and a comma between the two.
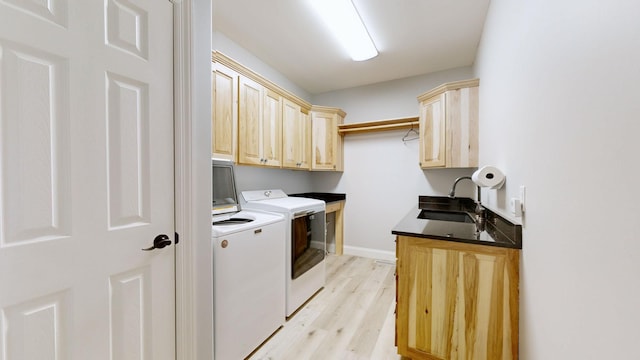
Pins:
x: 256, y: 178
x: 236, y: 52
x: 559, y: 109
x: 382, y: 177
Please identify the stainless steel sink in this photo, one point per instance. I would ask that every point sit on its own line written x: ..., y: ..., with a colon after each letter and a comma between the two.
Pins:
x: 455, y: 216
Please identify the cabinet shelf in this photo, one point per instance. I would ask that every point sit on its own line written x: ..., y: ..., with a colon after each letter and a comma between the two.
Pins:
x: 380, y: 125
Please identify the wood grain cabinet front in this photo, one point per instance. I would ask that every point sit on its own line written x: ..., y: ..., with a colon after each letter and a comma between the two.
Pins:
x: 449, y: 125
x: 456, y: 300
x: 296, y: 136
x: 326, y: 142
x: 260, y: 125
x: 224, y: 124
x: 256, y: 122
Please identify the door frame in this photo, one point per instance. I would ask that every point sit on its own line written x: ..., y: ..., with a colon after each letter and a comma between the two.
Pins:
x: 192, y: 160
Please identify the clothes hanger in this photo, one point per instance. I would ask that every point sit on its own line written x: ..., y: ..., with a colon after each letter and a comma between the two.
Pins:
x: 412, y: 134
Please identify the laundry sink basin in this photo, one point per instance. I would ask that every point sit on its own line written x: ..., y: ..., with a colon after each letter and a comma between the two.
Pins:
x: 455, y: 216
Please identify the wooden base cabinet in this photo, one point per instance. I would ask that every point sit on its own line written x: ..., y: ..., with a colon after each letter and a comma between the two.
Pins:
x: 456, y: 300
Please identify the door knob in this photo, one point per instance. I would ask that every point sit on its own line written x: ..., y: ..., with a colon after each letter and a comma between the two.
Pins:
x: 159, y: 242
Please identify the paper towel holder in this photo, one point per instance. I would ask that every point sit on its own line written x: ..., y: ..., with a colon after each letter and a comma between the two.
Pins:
x: 489, y: 177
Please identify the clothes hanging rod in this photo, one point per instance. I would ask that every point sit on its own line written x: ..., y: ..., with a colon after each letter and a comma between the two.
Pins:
x: 380, y: 125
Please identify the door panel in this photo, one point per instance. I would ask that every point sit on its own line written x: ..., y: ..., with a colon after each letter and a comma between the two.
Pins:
x: 128, y: 151
x: 131, y: 316
x: 35, y: 127
x: 86, y: 179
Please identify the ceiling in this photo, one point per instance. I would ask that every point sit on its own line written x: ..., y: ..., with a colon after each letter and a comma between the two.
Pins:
x: 413, y: 37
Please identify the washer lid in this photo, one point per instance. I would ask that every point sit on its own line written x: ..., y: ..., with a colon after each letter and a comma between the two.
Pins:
x: 277, y: 200
x: 257, y: 195
x: 258, y: 219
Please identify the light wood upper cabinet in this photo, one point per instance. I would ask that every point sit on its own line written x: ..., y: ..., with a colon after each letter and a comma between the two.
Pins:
x: 326, y: 142
x: 260, y: 125
x: 224, y: 124
x: 456, y: 300
x: 449, y: 125
x: 250, y: 123
x: 296, y: 139
x: 272, y: 129
x: 256, y: 122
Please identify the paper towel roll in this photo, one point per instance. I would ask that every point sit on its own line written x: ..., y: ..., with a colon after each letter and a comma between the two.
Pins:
x: 488, y: 176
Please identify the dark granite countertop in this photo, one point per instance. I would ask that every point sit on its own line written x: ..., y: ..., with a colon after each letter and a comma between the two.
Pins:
x: 498, y: 231
x: 326, y: 197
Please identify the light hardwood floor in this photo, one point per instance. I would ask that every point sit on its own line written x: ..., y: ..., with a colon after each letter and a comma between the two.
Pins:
x: 351, y: 318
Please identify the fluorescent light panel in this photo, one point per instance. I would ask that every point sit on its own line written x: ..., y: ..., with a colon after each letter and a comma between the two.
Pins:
x: 342, y: 18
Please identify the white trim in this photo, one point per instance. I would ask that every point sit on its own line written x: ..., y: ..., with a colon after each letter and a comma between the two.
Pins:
x: 192, y: 76
x: 185, y: 306
x: 186, y: 344
x: 370, y: 253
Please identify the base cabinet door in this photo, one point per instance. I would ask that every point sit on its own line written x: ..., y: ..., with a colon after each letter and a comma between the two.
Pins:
x: 456, y: 301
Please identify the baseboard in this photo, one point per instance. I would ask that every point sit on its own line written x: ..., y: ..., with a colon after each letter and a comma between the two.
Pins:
x: 370, y: 253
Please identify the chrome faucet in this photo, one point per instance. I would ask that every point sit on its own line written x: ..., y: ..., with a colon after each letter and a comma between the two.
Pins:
x: 452, y: 193
x: 479, y: 208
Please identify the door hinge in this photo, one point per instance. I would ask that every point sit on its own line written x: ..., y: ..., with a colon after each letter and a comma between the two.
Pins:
x: 177, y: 237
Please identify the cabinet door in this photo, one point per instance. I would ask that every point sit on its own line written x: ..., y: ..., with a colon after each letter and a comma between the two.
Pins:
x: 225, y: 113
x: 272, y: 129
x: 456, y: 301
x: 305, y: 141
x: 462, y: 127
x: 325, y: 142
x: 291, y: 126
x: 432, y: 132
x: 249, y: 123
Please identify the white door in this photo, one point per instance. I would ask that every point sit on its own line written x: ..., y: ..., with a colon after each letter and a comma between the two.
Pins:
x: 86, y: 179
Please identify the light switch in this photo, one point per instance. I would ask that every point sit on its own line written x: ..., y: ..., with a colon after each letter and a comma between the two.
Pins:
x: 515, y: 207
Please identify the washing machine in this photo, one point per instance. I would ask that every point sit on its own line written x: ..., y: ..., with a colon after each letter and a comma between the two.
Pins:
x: 305, y: 241
x: 248, y: 270
x: 249, y: 286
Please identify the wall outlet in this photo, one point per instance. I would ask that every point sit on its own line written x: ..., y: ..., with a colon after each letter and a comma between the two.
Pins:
x: 522, y: 197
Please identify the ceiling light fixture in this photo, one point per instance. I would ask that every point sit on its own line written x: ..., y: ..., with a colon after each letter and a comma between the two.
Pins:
x: 344, y: 21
